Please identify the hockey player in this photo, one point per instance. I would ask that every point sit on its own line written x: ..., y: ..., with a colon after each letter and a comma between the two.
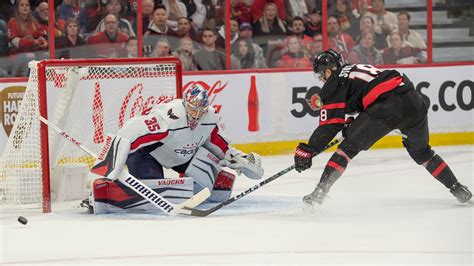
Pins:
x: 384, y: 101
x: 182, y: 135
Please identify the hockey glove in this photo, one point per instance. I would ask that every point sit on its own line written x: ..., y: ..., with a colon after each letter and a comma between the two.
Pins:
x: 347, y: 124
x: 303, y: 157
x: 249, y: 164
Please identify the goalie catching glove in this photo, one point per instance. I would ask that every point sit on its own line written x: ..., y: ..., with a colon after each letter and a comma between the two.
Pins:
x: 249, y: 164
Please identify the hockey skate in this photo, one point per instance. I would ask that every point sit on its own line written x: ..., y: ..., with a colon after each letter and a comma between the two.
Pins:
x: 461, y: 192
x: 317, y: 196
x: 86, y: 204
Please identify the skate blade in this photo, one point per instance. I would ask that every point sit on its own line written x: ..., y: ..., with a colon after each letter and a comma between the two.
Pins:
x: 310, y: 207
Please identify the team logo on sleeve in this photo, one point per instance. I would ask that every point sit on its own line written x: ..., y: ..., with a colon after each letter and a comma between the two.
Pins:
x: 171, y: 115
x: 314, y: 101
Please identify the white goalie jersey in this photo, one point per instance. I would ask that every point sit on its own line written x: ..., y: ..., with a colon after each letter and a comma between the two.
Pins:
x: 166, y: 127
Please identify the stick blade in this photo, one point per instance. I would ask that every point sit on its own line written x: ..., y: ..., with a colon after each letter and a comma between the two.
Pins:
x: 188, y: 206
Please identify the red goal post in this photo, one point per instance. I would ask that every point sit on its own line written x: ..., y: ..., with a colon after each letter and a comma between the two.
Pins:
x: 87, y: 98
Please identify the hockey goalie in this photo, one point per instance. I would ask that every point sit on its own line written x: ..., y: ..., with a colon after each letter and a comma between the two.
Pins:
x: 182, y: 135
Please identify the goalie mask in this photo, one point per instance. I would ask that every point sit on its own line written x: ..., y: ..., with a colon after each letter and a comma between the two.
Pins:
x: 196, y: 103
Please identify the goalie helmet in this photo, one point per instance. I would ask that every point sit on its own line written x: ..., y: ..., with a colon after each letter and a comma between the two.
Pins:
x: 196, y: 103
x: 328, y: 59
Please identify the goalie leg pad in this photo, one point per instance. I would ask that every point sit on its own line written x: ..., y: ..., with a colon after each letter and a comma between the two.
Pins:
x: 222, y: 187
x: 204, y: 168
x: 109, y: 196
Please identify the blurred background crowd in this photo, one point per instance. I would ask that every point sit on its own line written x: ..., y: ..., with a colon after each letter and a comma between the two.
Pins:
x: 263, y: 33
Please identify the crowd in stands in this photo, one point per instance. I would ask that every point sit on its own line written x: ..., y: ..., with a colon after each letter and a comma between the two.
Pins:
x: 263, y: 33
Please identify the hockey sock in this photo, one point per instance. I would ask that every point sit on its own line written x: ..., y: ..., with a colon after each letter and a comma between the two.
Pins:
x: 438, y: 168
x: 334, y: 168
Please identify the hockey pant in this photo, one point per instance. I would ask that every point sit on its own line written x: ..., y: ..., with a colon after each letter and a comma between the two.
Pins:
x: 407, y: 112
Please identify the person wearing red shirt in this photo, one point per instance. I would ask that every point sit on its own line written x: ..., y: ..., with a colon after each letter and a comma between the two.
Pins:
x: 297, y: 29
x: 28, y: 39
x: 110, y: 42
x: 258, y: 7
x: 340, y: 42
x: 295, y: 57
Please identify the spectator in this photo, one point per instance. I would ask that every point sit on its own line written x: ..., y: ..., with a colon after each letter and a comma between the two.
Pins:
x: 270, y: 23
x: 4, y: 64
x: 7, y: 9
x: 360, y: 8
x: 132, y: 47
x: 385, y: 21
x: 186, y: 54
x: 316, y: 46
x: 110, y: 42
x: 234, y: 29
x: 365, y: 52
x: 3, y: 38
x: 200, y: 17
x: 116, y: 8
x: 174, y: 9
x: 269, y: 32
x: 157, y: 29
x: 347, y: 21
x: 259, y: 7
x: 242, y: 49
x: 27, y: 37
x: 70, y: 38
x: 208, y: 58
x: 297, y: 29
x: 295, y: 57
x: 241, y: 10
x: 296, y: 8
x: 162, y: 48
x: 367, y: 23
x: 68, y: 9
x: 185, y: 29
x: 42, y: 16
x: 313, y: 25
x: 340, y: 42
x: 158, y: 24
x: 245, y: 31
x: 409, y: 37
x: 397, y: 54
x: 147, y: 15
x: 90, y: 15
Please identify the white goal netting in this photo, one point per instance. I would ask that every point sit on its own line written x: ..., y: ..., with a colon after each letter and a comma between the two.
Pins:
x: 87, y: 100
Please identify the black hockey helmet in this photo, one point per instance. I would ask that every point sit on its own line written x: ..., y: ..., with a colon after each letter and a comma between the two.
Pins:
x: 327, y: 59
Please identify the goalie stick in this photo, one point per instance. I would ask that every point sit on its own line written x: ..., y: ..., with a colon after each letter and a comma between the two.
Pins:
x: 140, y: 188
x: 203, y: 213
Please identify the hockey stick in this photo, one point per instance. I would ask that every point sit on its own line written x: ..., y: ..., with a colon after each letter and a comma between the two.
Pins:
x: 202, y: 213
x: 136, y: 185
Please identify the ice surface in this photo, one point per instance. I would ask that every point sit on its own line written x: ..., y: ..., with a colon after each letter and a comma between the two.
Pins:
x: 385, y: 210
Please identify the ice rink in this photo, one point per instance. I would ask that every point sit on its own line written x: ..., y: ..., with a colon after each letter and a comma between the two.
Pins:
x: 385, y: 210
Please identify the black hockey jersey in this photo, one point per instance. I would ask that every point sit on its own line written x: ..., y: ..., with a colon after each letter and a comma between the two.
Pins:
x: 352, y: 89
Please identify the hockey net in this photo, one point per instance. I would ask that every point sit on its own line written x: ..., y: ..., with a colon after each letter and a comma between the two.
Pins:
x: 86, y: 99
